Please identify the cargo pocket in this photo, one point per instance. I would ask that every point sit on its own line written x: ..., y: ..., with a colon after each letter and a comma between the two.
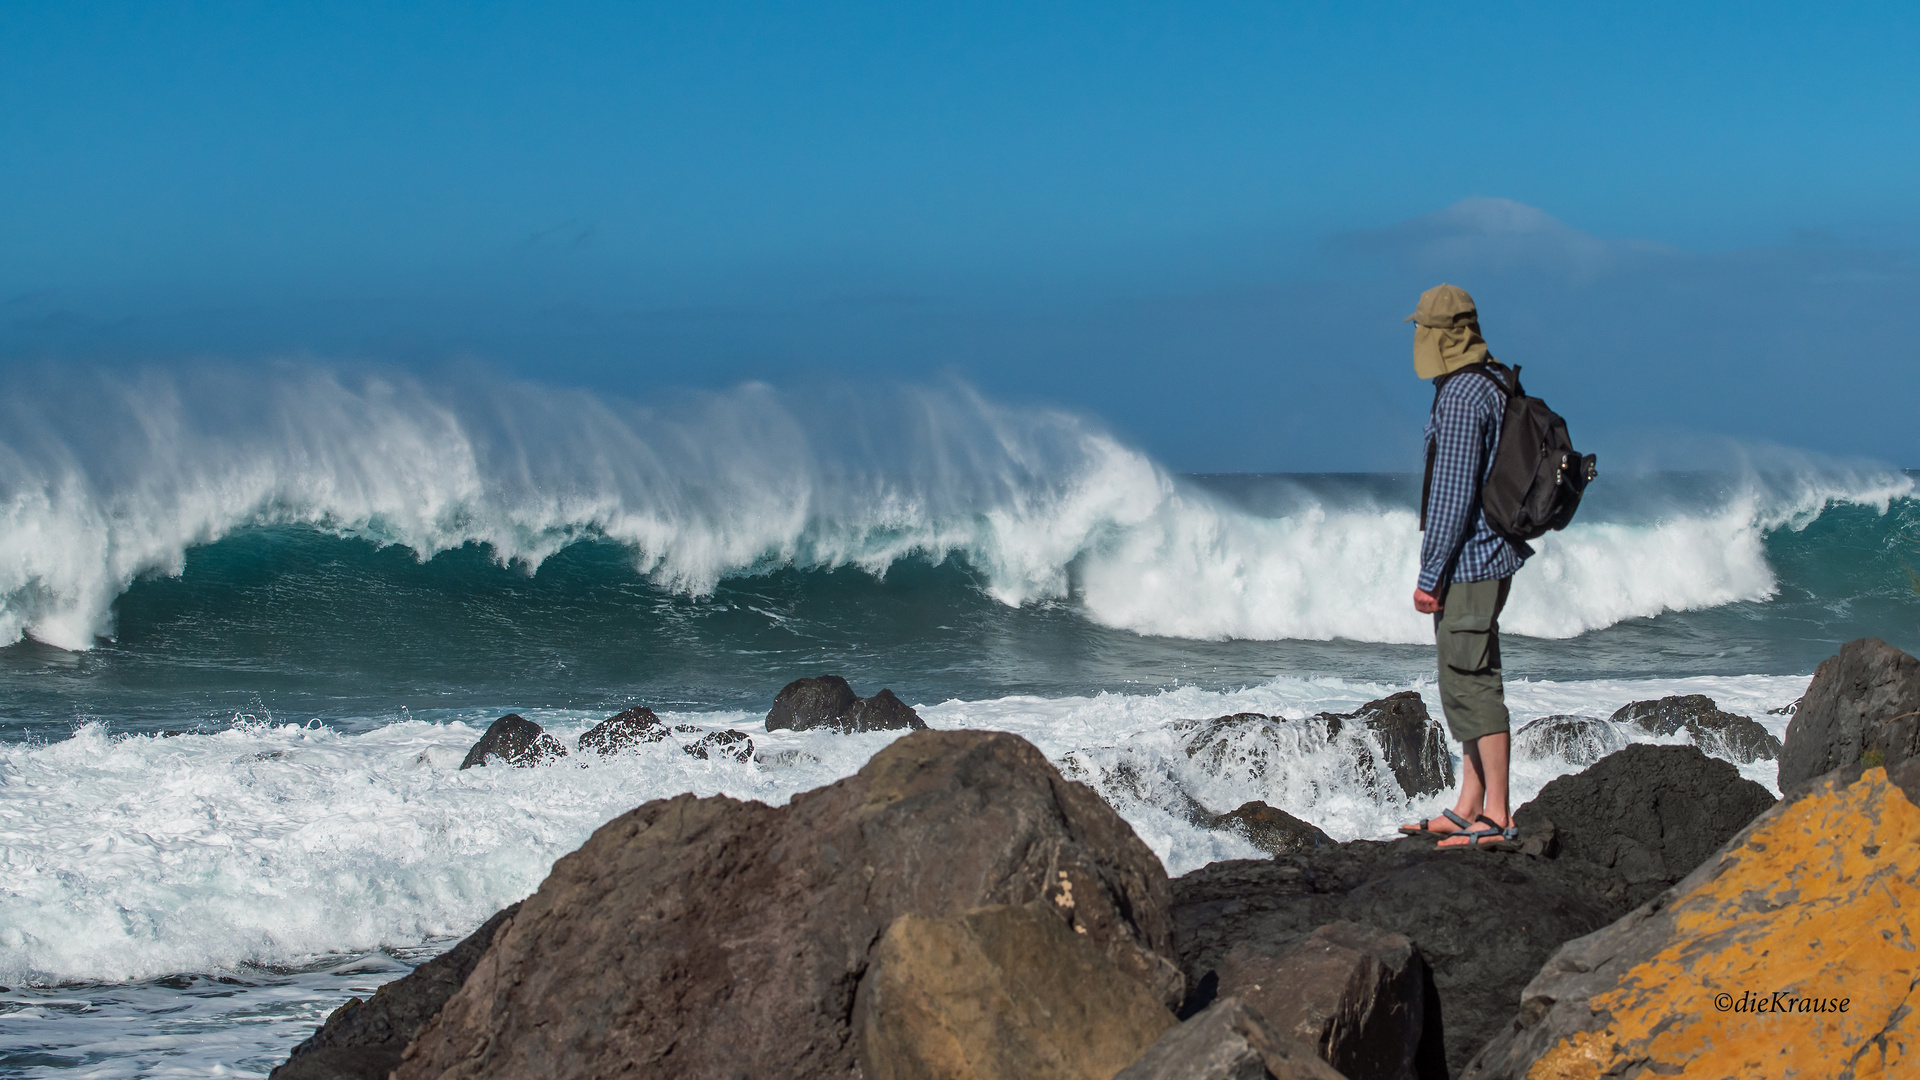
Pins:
x: 1467, y: 643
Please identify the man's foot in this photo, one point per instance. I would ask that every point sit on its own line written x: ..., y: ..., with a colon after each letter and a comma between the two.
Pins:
x: 1447, y: 824
x: 1486, y: 833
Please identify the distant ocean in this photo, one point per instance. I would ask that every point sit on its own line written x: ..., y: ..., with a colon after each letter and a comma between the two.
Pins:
x: 261, y: 617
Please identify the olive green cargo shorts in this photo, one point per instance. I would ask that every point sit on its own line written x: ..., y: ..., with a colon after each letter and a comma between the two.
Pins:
x: 1467, y: 629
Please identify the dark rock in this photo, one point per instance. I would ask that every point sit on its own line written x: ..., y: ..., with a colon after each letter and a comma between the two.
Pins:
x: 1271, y: 830
x: 805, y: 704
x: 721, y: 744
x: 1483, y: 920
x: 622, y: 730
x: 1414, y: 743
x: 1722, y: 734
x: 516, y: 740
x: 709, y: 937
x: 1251, y: 745
x: 1230, y: 1041
x: 1649, y: 813
x: 363, y: 1040
x: 1356, y: 994
x: 828, y: 702
x: 1577, y: 740
x: 883, y: 712
x: 1862, y: 708
x: 1001, y: 991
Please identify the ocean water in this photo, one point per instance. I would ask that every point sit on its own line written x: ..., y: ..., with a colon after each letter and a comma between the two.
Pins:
x: 258, y: 619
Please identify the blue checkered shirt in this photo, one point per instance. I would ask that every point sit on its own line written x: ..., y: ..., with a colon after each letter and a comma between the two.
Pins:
x: 1463, y: 430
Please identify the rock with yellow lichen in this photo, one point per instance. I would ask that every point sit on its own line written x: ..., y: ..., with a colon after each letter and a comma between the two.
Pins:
x: 1789, y: 953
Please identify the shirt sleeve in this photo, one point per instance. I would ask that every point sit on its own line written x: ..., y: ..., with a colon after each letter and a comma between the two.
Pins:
x: 1458, y: 436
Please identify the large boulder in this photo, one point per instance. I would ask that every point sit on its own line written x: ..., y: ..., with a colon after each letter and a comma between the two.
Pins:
x: 363, y: 1040
x: 829, y: 702
x: 514, y: 740
x: 1649, y: 813
x: 1484, y: 921
x: 1862, y: 706
x: 1411, y: 746
x: 1270, y: 829
x: 1356, y: 994
x: 1414, y: 743
x: 622, y: 731
x: 1806, y: 913
x: 1229, y: 1041
x: 1720, y: 733
x: 999, y: 993
x: 706, y: 937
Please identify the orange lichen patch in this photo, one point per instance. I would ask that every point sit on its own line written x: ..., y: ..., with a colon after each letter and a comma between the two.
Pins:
x: 1795, y: 960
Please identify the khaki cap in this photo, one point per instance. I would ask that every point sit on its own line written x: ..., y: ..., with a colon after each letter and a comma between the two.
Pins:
x: 1444, y: 307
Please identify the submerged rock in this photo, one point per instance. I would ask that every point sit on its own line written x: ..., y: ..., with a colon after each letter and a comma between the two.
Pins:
x: 721, y: 744
x: 1001, y: 991
x: 1577, y: 740
x: 1806, y: 912
x: 1414, y: 742
x: 709, y: 937
x: 829, y: 702
x: 623, y: 730
x: 363, y: 1040
x: 1649, y: 813
x: 1862, y: 708
x: 1230, y: 1041
x: 1251, y: 745
x: 1271, y: 830
x: 1737, y: 738
x: 515, y: 740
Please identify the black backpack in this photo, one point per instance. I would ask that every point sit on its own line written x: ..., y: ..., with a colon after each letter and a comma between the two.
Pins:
x: 1537, y: 477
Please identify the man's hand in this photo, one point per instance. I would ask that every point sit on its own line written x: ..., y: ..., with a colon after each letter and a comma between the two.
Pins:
x: 1425, y: 602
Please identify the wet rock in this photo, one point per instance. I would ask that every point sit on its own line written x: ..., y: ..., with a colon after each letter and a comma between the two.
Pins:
x: 1577, y: 740
x: 1649, y: 813
x: 1271, y: 830
x: 1356, y: 995
x: 784, y: 759
x: 731, y: 936
x: 1863, y: 706
x: 514, y: 740
x: 1812, y: 900
x: 1254, y: 745
x: 1722, y: 734
x: 363, y: 1040
x: 828, y: 702
x: 1484, y: 921
x: 1229, y: 1041
x: 721, y: 744
x: 1414, y: 743
x: 1001, y: 991
x: 623, y: 730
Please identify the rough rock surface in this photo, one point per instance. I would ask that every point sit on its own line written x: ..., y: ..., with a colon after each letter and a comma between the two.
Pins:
x: 828, y: 702
x: 362, y: 1040
x: 1414, y: 743
x: 721, y: 744
x: 1356, y: 994
x: 1577, y: 740
x: 1863, y: 704
x: 1649, y: 813
x: 627, y: 728
x: 515, y: 740
x: 1594, y: 844
x: 1722, y: 734
x: 999, y: 993
x: 1813, y: 900
x: 701, y: 937
x: 1230, y: 1041
x: 1269, y: 829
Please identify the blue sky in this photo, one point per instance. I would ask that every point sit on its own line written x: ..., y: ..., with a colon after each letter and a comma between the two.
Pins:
x: 1200, y: 222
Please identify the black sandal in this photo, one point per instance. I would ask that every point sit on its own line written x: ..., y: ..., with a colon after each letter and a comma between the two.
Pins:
x: 1425, y: 829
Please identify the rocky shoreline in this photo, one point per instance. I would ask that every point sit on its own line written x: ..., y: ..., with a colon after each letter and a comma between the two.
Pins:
x: 960, y: 908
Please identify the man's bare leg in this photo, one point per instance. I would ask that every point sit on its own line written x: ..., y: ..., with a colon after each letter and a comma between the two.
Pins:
x: 1485, y: 764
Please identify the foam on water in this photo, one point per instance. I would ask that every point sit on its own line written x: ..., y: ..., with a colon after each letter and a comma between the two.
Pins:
x: 111, y: 480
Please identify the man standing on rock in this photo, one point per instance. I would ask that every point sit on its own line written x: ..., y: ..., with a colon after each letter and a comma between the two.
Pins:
x: 1465, y: 567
